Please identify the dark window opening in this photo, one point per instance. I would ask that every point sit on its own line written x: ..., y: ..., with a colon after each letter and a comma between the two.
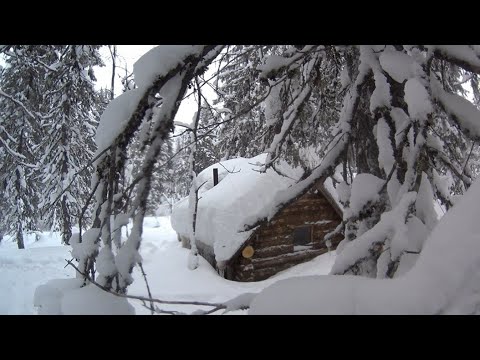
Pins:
x: 302, y: 235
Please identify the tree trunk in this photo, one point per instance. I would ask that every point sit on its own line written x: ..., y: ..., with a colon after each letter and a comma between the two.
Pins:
x: 20, y: 242
x: 67, y: 226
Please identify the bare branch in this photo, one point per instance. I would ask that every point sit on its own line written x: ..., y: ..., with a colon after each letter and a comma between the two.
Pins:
x: 229, y: 171
x: 148, y: 287
x: 142, y: 298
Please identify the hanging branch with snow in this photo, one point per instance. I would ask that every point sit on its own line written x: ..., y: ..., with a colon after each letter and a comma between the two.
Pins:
x: 300, y: 86
x: 164, y: 70
x: 387, y: 133
x: 413, y: 157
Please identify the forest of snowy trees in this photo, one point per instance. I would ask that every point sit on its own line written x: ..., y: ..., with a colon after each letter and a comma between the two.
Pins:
x: 395, y: 127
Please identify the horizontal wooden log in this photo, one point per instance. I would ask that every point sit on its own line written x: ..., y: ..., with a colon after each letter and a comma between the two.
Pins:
x: 266, y: 272
x: 244, y: 261
x: 310, y: 215
x: 245, y: 279
x: 244, y: 276
x: 295, y: 257
x: 271, y: 231
x: 273, y: 251
x: 248, y: 267
x: 263, y: 274
x: 273, y: 241
x: 307, y: 215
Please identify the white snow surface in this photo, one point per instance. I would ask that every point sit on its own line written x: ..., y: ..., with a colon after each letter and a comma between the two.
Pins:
x: 462, y: 52
x: 21, y: 271
x: 343, y: 192
x: 397, y: 64
x: 424, y: 207
x: 417, y: 99
x: 381, y: 95
x: 466, y: 113
x: 115, y: 117
x: 91, y: 300
x: 159, y: 60
x: 48, y: 297
x: 444, y: 279
x: 40, y: 270
x: 365, y: 188
x: 385, y: 148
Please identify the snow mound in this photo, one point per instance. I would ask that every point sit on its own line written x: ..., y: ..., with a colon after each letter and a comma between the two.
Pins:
x: 90, y: 300
x: 48, y: 297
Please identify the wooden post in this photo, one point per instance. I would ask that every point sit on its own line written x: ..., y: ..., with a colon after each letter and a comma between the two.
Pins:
x: 215, y: 176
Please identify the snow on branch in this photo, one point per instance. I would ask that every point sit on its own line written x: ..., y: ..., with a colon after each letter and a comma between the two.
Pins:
x: 124, y: 115
x: 288, y: 122
x: 19, y: 103
x: 333, y: 154
x: 174, y: 90
x: 460, y: 109
x: 169, y: 78
x: 9, y: 149
x: 461, y: 55
x: 391, y: 225
x: 274, y: 63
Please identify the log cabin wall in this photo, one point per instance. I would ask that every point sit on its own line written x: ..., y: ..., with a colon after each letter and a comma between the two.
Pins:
x: 273, y: 242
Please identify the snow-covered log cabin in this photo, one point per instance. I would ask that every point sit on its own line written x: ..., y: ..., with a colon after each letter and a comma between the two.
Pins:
x: 243, y: 233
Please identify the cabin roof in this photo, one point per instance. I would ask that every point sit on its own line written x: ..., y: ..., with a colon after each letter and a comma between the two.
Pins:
x: 242, y: 197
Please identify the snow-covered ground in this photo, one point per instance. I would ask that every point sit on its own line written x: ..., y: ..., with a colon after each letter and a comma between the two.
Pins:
x: 21, y: 271
x: 164, y: 261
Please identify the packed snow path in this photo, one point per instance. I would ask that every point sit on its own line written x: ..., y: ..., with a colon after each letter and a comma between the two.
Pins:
x: 165, y: 263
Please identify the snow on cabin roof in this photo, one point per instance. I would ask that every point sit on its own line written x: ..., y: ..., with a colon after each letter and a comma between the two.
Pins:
x: 242, y: 196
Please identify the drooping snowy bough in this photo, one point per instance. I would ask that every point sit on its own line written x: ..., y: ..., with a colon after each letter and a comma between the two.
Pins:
x: 162, y: 76
x: 444, y: 280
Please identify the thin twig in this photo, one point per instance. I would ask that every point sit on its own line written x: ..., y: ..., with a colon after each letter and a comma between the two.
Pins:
x: 229, y: 171
x: 468, y: 158
x: 148, y: 287
x: 142, y: 298
x: 28, y: 112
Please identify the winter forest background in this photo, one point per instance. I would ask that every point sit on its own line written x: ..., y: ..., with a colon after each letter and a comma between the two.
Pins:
x: 395, y: 128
